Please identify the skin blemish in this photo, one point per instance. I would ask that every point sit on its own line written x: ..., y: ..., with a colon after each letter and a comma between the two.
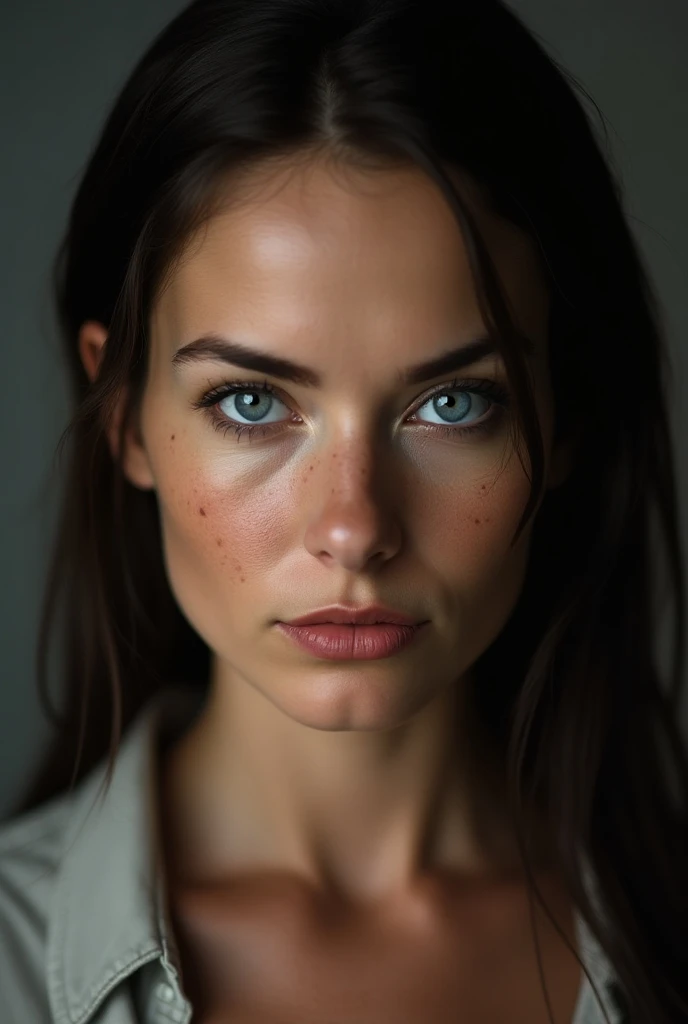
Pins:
x: 172, y: 438
x: 202, y: 511
x: 219, y: 542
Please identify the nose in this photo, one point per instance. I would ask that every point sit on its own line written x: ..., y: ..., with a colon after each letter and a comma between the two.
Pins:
x: 354, y: 510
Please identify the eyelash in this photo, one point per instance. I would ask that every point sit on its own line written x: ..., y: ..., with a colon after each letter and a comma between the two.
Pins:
x: 487, y: 388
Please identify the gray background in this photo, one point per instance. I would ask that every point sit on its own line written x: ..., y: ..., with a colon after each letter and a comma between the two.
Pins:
x: 61, y: 64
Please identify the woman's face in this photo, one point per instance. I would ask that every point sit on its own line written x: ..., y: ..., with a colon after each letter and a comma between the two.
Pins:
x: 361, y: 489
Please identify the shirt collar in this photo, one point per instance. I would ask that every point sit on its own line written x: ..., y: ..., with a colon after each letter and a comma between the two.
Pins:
x: 108, y: 916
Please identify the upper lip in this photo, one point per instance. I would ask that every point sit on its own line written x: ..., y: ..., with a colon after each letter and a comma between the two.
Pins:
x: 357, y: 616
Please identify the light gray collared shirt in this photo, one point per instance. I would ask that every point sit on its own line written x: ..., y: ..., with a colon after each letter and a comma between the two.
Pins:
x: 84, y: 930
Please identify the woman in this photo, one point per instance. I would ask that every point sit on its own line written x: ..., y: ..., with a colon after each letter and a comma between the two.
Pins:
x: 358, y: 336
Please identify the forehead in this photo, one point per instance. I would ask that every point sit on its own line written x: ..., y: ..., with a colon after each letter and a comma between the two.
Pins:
x: 310, y: 241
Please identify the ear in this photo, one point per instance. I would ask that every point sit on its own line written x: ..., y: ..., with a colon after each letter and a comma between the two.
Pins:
x: 134, y: 459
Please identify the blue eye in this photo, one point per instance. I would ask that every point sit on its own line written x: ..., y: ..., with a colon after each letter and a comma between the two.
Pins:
x: 254, y: 399
x: 252, y: 402
x: 455, y: 409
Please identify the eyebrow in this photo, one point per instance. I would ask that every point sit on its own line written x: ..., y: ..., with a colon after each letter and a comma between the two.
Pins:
x: 214, y: 347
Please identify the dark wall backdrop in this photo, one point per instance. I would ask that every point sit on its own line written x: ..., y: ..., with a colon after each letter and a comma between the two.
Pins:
x: 62, y: 62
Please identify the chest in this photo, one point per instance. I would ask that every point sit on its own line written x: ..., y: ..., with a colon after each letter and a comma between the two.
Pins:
x: 270, y: 955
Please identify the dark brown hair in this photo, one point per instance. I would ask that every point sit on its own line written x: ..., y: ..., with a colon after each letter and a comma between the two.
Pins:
x: 571, y: 691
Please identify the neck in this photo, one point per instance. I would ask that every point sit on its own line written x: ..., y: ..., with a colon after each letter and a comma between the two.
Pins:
x: 362, y: 814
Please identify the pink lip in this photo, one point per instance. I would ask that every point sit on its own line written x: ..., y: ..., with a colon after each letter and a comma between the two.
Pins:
x: 370, y: 616
x: 336, y: 642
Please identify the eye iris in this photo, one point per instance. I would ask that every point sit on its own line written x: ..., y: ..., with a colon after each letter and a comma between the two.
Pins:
x: 457, y: 407
x: 248, y: 401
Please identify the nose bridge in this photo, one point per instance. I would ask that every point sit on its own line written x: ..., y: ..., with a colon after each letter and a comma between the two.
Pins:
x: 353, y: 459
x: 352, y: 514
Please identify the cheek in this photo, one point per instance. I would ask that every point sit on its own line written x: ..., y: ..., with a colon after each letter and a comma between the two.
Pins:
x: 470, y: 525
x: 229, y: 531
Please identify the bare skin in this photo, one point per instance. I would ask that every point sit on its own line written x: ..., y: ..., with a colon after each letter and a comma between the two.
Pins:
x: 334, y: 838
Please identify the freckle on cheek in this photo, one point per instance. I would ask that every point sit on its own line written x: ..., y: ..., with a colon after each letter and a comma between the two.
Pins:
x: 202, y: 511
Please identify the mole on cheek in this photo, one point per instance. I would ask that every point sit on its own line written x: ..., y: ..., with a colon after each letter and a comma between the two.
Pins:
x: 202, y: 511
x: 239, y: 569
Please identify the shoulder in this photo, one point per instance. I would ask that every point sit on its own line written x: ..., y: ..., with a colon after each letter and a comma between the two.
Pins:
x: 30, y: 854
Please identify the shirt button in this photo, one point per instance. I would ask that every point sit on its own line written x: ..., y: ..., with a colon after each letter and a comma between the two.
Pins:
x: 164, y: 992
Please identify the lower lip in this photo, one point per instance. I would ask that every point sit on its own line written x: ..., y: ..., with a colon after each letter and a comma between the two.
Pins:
x: 346, y: 643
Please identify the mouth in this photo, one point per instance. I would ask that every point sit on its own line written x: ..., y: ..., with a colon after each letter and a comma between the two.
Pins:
x: 340, y: 615
x: 344, y: 641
